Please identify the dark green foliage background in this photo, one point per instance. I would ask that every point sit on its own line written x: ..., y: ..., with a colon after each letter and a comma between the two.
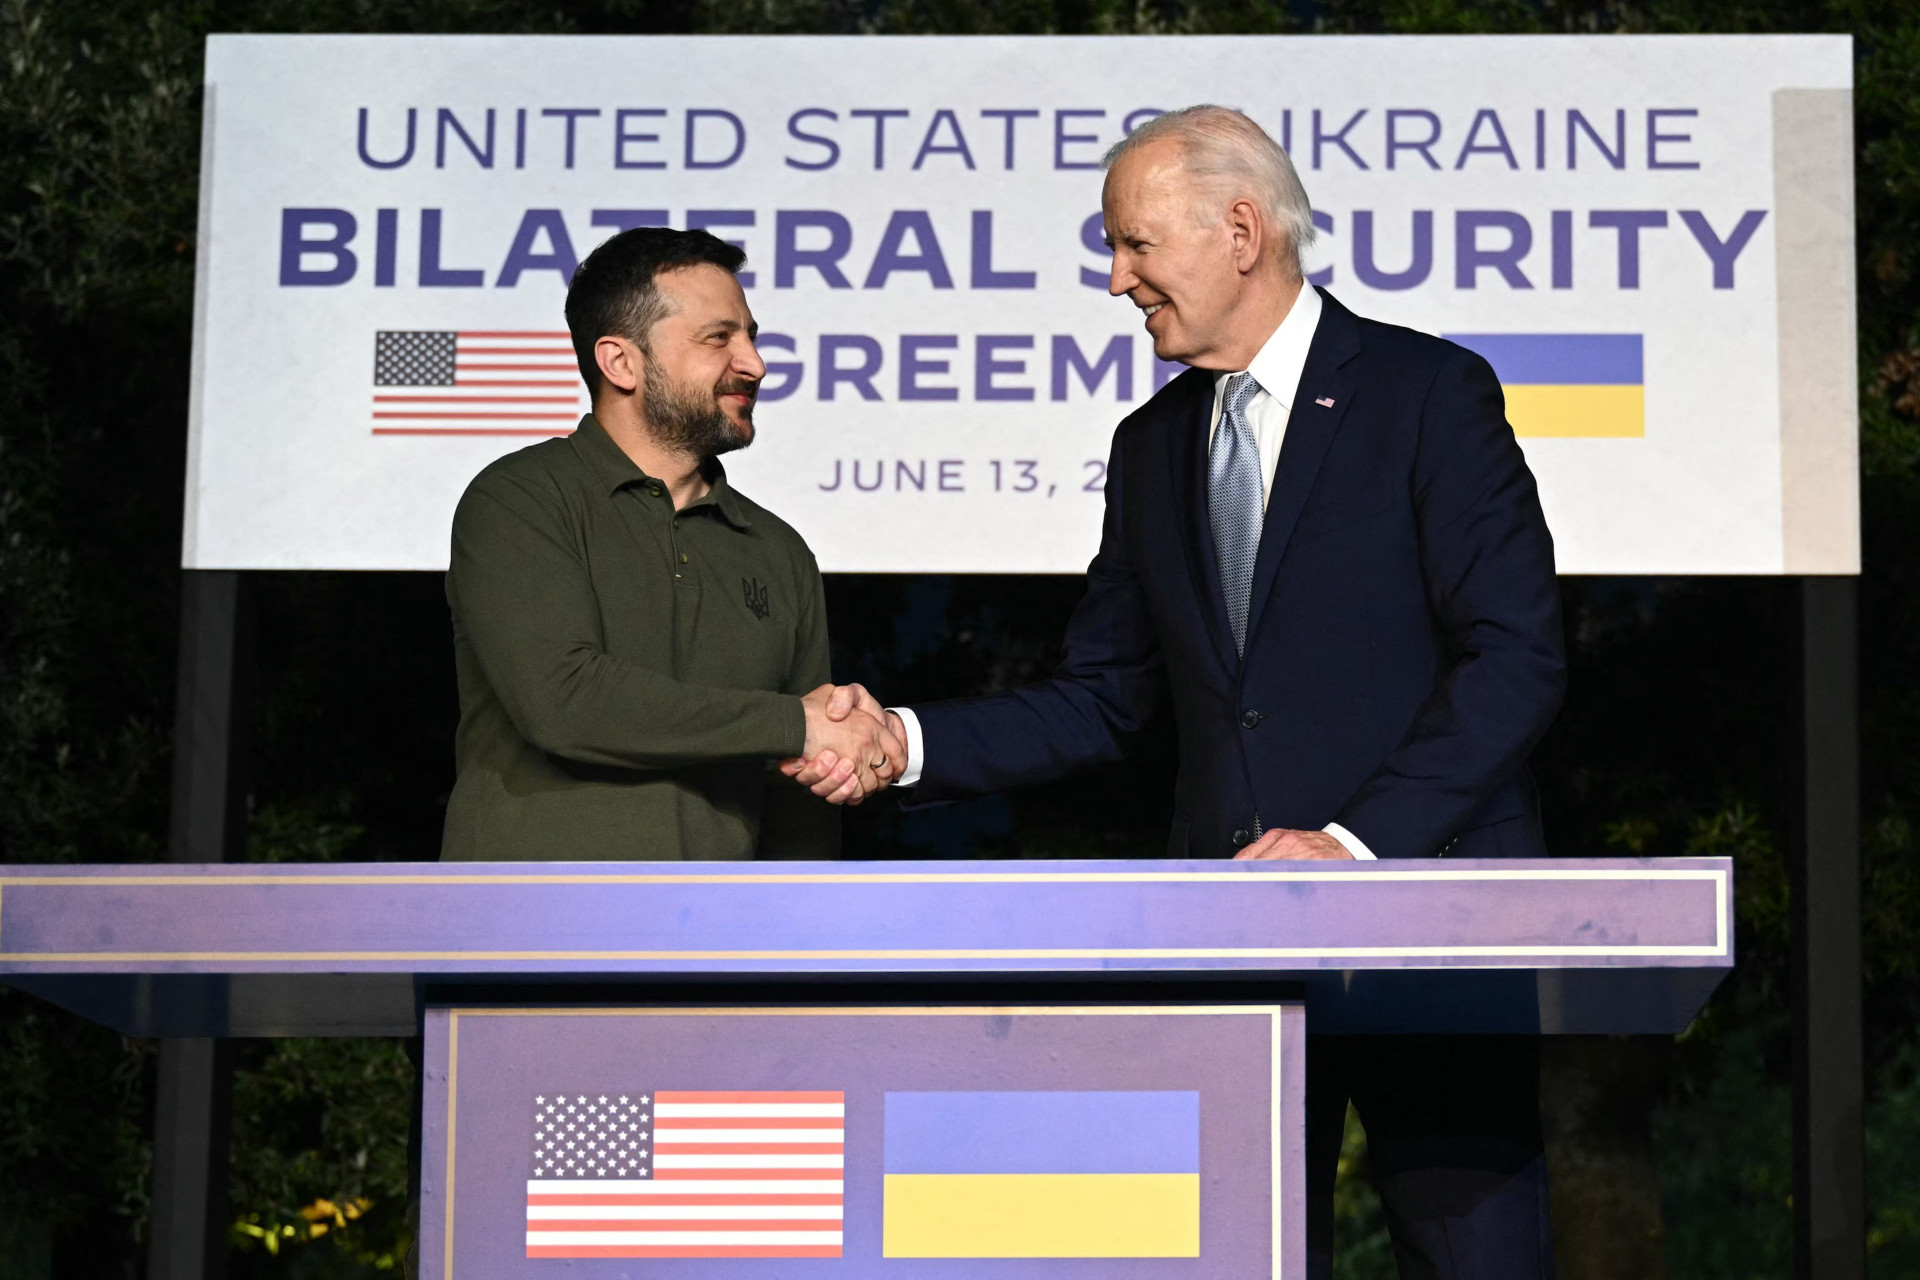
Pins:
x: 1675, y: 739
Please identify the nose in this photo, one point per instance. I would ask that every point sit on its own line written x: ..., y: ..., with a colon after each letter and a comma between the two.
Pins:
x: 746, y: 360
x: 1120, y: 278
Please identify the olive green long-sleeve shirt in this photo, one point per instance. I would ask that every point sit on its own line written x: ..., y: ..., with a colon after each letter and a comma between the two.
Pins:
x: 628, y: 673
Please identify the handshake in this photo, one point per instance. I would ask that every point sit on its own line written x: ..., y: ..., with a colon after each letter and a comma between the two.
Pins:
x: 854, y: 745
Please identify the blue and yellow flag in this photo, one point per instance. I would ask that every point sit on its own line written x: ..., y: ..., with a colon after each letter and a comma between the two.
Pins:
x: 1567, y: 384
x: 1042, y: 1175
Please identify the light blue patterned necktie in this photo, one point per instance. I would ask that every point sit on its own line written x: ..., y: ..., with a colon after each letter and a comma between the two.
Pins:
x: 1233, y: 501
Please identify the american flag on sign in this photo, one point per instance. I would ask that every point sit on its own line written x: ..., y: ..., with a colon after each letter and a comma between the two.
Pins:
x: 473, y: 382
x: 687, y: 1175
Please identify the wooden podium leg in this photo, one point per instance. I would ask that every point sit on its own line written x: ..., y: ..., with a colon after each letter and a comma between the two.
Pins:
x: 208, y: 824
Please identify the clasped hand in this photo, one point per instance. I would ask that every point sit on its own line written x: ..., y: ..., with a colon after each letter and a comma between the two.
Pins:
x: 1295, y: 846
x: 854, y: 745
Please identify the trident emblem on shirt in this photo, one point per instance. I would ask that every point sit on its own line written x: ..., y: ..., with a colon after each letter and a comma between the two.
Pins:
x: 756, y: 596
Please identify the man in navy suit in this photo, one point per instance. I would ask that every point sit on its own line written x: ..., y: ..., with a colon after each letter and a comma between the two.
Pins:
x: 1323, y: 548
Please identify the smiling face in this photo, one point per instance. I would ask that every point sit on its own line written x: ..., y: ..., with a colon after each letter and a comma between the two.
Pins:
x: 702, y: 371
x: 1177, y: 258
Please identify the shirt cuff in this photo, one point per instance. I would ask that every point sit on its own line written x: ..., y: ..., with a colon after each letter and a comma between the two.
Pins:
x: 1355, y: 845
x: 915, y: 747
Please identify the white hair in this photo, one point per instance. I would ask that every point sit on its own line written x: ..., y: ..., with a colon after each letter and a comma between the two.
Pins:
x: 1232, y: 158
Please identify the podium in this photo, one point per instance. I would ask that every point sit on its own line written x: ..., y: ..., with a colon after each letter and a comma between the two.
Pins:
x: 996, y: 1069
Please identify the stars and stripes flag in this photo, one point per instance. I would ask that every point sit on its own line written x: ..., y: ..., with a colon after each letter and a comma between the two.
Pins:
x: 687, y: 1175
x: 475, y: 382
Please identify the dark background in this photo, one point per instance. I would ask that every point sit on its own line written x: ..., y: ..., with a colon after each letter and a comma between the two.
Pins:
x: 1670, y: 1156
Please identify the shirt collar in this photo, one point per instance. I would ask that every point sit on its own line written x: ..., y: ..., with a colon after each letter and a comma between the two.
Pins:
x: 608, y: 462
x: 615, y: 471
x: 1277, y: 366
x: 724, y: 496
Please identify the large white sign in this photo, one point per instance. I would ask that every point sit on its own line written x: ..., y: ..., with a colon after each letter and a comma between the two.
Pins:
x: 1651, y: 239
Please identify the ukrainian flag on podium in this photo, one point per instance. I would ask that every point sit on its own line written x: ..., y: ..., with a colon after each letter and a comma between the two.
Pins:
x: 1042, y: 1175
x: 1567, y: 384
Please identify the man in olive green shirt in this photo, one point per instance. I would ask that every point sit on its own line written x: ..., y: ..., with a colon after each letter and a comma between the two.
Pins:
x: 637, y: 641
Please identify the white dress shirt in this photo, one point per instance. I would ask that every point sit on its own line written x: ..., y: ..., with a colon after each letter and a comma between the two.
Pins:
x: 1277, y: 368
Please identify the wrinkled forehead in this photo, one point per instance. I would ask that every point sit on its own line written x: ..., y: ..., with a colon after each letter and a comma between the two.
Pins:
x: 1149, y: 182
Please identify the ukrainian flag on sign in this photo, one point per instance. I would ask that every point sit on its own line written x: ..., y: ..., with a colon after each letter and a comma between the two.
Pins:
x: 1567, y: 384
x: 1042, y: 1175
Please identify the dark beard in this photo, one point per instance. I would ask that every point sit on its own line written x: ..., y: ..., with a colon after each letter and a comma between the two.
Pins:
x: 688, y: 420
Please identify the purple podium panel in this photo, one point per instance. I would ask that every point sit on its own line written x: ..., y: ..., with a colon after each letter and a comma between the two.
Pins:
x: 1040, y: 1142
x: 871, y: 917
x: 1630, y: 944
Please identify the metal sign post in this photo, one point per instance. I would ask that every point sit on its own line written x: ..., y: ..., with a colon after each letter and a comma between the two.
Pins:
x: 193, y: 1102
x: 1829, y: 1071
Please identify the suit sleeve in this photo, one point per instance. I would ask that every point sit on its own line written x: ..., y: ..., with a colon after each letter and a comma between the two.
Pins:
x: 523, y: 597
x: 1097, y: 701
x: 1487, y: 561
x: 795, y: 823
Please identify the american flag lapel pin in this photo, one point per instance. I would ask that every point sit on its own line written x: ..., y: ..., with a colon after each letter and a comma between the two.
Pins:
x: 1325, y: 402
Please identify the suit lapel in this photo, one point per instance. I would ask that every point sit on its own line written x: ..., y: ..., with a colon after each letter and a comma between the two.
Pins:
x: 1187, y: 467
x: 1332, y: 373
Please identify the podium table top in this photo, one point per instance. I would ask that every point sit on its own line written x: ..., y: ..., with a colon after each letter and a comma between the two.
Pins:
x: 247, y: 949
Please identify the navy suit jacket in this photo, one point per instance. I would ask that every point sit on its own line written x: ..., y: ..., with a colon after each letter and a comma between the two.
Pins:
x: 1404, y: 650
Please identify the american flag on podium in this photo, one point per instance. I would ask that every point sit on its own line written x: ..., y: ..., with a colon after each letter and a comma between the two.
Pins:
x: 680, y: 1174
x: 475, y: 382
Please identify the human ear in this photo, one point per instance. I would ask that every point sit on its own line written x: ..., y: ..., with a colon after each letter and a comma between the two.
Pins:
x: 1249, y: 233
x: 620, y: 362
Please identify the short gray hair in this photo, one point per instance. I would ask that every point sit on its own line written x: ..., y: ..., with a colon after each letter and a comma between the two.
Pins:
x: 1231, y: 157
